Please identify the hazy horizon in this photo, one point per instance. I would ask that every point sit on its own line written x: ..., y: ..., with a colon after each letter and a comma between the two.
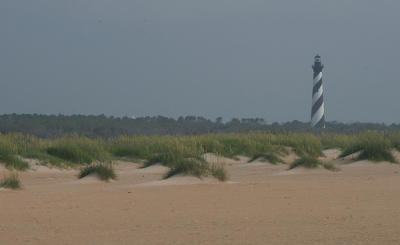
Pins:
x: 234, y: 59
x: 224, y: 120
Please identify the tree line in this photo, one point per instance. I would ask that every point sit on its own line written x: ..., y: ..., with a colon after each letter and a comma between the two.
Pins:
x: 52, y: 126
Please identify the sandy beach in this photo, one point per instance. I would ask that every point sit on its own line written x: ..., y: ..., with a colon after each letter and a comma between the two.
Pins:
x: 261, y: 203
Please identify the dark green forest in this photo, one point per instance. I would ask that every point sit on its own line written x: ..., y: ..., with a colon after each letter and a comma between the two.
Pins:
x: 52, y: 126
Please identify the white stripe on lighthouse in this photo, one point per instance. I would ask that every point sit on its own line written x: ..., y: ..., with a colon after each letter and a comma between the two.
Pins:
x: 318, y: 77
x: 317, y: 94
x: 317, y: 116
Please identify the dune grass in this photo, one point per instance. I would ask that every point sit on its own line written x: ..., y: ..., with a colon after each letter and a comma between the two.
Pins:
x: 330, y: 167
x: 394, y: 139
x: 11, y: 181
x: 218, y: 171
x: 306, y: 162
x: 195, y: 167
x: 302, y: 144
x: 104, y: 172
x: 46, y: 159
x: 312, y: 162
x: 78, y: 150
x: 372, y: 146
x: 269, y: 157
x: 183, y: 154
x: 11, y: 160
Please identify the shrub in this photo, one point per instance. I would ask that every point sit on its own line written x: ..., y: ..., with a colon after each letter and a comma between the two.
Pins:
x: 103, y: 171
x: 12, y: 182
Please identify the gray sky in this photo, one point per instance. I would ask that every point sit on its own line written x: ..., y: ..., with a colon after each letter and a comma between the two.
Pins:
x: 208, y: 58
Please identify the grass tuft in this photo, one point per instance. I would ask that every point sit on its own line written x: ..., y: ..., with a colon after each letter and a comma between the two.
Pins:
x: 305, y: 161
x: 11, y: 182
x: 376, y: 153
x: 197, y: 167
x: 219, y: 172
x: 269, y: 157
x: 78, y: 150
x: 156, y: 159
x: 45, y: 158
x: 331, y: 167
x: 372, y: 146
x: 190, y: 166
x: 11, y: 161
x: 103, y: 171
x: 71, y: 154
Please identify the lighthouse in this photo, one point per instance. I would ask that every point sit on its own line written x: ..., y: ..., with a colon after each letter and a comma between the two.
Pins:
x: 318, y: 107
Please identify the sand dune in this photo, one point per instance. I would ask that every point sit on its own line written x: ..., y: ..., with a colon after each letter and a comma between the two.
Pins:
x: 330, y: 155
x: 260, y: 204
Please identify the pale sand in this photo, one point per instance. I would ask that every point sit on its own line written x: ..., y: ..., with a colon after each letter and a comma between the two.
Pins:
x: 260, y: 204
x: 330, y: 155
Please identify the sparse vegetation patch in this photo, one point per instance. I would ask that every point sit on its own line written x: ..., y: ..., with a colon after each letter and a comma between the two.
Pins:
x: 11, y: 160
x: 306, y: 162
x: 372, y: 146
x: 219, y: 172
x: 78, y: 150
x: 195, y: 167
x: 269, y: 157
x: 331, y: 167
x: 12, y: 182
x: 103, y: 171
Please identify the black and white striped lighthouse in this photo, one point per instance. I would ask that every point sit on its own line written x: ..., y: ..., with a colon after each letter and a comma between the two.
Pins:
x: 318, y: 107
